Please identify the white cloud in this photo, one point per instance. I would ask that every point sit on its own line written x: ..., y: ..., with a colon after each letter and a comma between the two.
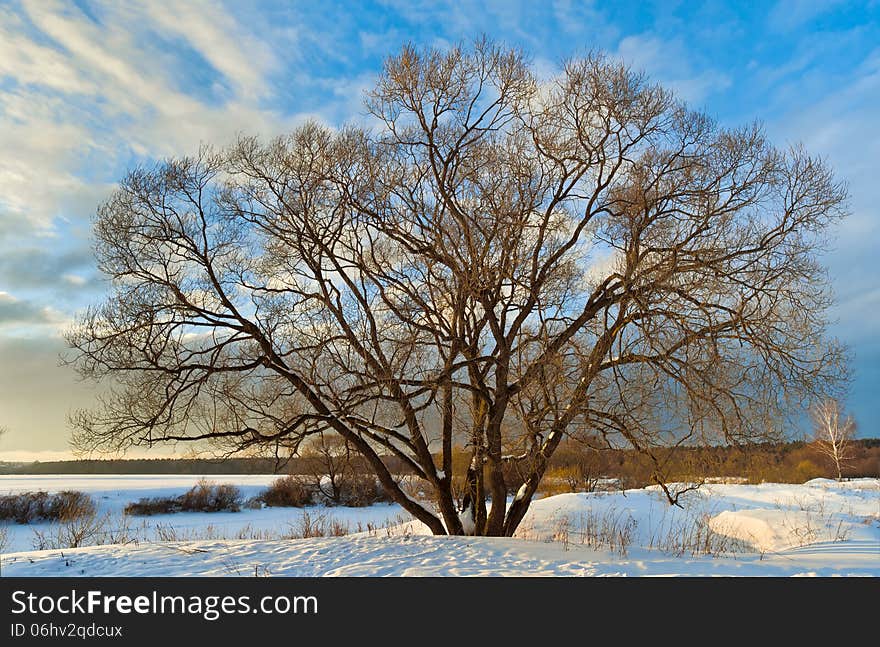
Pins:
x: 242, y: 58
x: 33, y: 63
x: 127, y: 74
x: 87, y: 95
x: 787, y: 15
x: 73, y: 279
x: 669, y: 62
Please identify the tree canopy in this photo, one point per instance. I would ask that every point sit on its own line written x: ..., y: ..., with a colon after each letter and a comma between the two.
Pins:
x: 500, y: 261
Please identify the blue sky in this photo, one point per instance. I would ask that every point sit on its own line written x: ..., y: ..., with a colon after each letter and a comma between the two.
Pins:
x: 87, y: 89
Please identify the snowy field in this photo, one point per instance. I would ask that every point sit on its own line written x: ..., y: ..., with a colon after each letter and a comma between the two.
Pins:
x: 820, y: 528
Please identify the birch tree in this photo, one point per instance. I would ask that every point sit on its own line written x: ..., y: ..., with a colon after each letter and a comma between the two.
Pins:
x: 833, y: 433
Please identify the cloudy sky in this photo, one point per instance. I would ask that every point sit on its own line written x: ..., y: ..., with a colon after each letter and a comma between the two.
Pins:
x: 90, y: 88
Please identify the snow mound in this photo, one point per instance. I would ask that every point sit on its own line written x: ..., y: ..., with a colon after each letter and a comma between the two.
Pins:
x: 774, y: 530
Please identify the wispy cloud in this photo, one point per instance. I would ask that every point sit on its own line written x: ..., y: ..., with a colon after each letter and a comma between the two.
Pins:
x: 787, y: 15
x: 83, y: 93
x: 669, y: 61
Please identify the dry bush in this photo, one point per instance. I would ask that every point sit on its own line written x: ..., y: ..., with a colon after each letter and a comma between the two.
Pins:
x: 202, y: 497
x: 287, y: 491
x: 361, y: 490
x: 609, y: 529
x: 166, y: 532
x: 4, y: 538
x: 563, y: 479
x: 26, y: 507
x: 87, y: 530
x: 69, y: 505
x: 205, y: 496
x: 154, y: 505
x: 249, y: 532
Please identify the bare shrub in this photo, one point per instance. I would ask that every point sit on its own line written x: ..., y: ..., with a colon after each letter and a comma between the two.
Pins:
x: 361, y: 490
x: 568, y: 478
x: 287, y: 491
x: 4, y: 538
x: 610, y: 529
x: 69, y: 505
x: 23, y: 507
x: 154, y: 505
x: 249, y: 532
x: 202, y: 497
x: 168, y: 533
x: 81, y: 531
x: 26, y: 507
x: 811, y: 521
x: 205, y: 496
x: 414, y: 487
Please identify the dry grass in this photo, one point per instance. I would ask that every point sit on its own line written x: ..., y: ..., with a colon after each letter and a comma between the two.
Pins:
x: 694, y: 536
x: 320, y: 525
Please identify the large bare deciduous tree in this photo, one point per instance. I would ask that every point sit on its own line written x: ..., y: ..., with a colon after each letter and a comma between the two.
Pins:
x: 500, y: 262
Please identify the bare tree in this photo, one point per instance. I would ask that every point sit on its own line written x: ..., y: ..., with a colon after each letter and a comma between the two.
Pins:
x: 504, y: 261
x: 832, y: 433
x: 329, y: 462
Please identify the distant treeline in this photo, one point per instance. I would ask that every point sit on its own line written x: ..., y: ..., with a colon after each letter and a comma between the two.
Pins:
x: 790, y: 462
x: 166, y: 466
x: 781, y: 462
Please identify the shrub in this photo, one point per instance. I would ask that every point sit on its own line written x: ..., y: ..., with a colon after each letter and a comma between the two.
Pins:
x: 207, y: 497
x: 70, y: 504
x: 287, y: 491
x: 26, y: 507
x: 150, y: 506
x: 85, y: 530
x: 204, y: 496
x: 361, y: 490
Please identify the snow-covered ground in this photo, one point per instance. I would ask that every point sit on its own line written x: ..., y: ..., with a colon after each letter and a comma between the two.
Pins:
x: 111, y: 493
x: 819, y: 528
